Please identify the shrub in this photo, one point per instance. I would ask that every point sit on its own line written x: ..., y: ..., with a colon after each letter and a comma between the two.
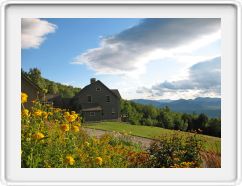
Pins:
x: 176, y: 151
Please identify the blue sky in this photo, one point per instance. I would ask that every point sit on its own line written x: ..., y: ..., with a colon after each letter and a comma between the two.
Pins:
x: 140, y: 57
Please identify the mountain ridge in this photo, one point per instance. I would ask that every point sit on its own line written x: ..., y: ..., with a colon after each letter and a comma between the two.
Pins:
x: 207, y: 105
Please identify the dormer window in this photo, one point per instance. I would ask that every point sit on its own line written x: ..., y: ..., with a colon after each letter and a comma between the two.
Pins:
x: 98, y: 89
x: 89, y: 99
x: 107, y: 99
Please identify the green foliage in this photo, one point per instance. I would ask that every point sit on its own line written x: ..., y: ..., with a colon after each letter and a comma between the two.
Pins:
x: 214, y: 127
x: 67, y: 92
x: 50, y: 87
x: 201, y: 122
x: 188, y: 119
x: 131, y: 112
x: 179, y: 123
x: 165, y: 118
x: 148, y: 121
x: 53, y: 88
x: 176, y: 151
x: 35, y: 75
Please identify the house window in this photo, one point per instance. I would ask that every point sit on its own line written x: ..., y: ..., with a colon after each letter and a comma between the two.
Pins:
x: 89, y: 99
x: 113, y: 111
x: 92, y: 113
x: 108, y: 99
x: 98, y: 89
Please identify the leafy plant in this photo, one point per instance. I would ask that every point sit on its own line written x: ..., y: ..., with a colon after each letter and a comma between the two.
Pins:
x: 176, y: 151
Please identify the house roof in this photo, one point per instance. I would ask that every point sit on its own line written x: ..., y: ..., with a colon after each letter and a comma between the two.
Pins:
x: 27, y: 79
x: 115, y: 92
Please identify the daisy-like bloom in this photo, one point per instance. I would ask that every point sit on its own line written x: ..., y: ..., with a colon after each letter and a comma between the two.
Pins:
x: 24, y: 97
x: 25, y: 112
x: 71, y: 118
x: 75, y: 128
x: 65, y: 127
x: 38, y: 113
x: 69, y: 160
x: 66, y: 114
x: 38, y: 135
x: 99, y: 161
x: 45, y: 114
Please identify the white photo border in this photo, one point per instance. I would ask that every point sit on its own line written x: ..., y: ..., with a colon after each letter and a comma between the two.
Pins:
x: 3, y: 74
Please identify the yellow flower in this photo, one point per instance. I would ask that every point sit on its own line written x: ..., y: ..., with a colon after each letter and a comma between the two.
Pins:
x: 38, y: 113
x: 24, y: 97
x: 25, y: 112
x: 75, y: 128
x: 99, y: 161
x: 38, y: 135
x: 69, y: 160
x: 71, y: 118
x: 45, y: 114
x: 66, y: 114
x: 65, y: 127
x: 77, y: 124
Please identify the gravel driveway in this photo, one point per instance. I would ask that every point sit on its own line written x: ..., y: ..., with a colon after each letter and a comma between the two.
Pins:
x: 144, y: 142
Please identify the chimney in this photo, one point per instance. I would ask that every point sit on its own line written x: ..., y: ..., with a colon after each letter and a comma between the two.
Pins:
x: 93, y: 80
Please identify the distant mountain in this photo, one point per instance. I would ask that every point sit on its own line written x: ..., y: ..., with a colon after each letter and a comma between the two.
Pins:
x: 206, y: 105
x: 165, y: 100
x: 156, y: 103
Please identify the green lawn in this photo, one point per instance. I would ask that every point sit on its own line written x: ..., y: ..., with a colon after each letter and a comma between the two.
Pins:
x: 210, y: 143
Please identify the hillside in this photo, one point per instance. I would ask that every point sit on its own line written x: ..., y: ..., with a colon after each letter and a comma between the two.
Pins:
x: 206, y: 105
x: 50, y: 87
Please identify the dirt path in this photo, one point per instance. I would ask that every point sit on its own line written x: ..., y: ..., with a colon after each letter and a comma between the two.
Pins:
x: 144, y: 142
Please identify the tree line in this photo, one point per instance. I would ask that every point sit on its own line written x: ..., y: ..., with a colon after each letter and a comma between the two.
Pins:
x: 50, y: 87
x: 139, y: 114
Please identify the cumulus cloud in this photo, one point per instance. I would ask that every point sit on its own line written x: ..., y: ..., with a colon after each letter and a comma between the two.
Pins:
x: 34, y: 31
x: 204, y: 78
x: 131, y: 49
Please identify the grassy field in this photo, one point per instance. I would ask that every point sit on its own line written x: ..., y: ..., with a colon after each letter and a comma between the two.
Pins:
x: 210, y: 143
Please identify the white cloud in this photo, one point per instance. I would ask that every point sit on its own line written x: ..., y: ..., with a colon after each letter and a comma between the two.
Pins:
x: 204, y: 79
x: 34, y: 31
x: 129, y: 51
